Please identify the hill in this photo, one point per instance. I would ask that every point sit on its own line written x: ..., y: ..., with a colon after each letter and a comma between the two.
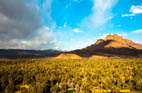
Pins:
x: 111, y: 45
x: 21, y: 53
x: 68, y: 56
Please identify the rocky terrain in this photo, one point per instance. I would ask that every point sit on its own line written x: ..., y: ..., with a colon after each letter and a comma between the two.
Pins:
x: 111, y: 46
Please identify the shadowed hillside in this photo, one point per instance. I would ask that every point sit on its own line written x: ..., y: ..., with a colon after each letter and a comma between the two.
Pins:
x: 21, y: 53
x: 111, y: 46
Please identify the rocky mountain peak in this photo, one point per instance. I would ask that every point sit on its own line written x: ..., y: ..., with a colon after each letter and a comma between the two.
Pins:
x: 113, y: 37
x: 111, y: 45
x: 99, y: 41
x: 119, y: 41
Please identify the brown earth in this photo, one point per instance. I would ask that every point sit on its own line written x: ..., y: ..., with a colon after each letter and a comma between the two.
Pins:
x: 98, y: 57
x: 68, y: 56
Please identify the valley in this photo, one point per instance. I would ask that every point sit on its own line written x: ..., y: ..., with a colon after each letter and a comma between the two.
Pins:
x: 57, y: 75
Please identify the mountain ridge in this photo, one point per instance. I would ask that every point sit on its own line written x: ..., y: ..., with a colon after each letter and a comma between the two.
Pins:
x: 126, y: 42
x: 22, y: 53
x: 111, y: 45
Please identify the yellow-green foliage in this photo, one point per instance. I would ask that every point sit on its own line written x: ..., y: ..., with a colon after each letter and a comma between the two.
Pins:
x: 71, y: 75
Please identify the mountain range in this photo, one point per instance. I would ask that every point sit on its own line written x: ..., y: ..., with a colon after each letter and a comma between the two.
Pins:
x: 21, y: 53
x: 111, y: 46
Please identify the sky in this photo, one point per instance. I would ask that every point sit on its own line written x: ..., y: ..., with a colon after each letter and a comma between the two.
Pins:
x: 67, y: 24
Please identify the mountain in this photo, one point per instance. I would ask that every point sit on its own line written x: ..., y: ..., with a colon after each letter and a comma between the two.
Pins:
x: 118, y: 42
x: 111, y: 45
x: 21, y: 53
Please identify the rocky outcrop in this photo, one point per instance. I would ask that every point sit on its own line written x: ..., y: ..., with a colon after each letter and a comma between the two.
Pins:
x: 111, y: 46
x: 119, y: 41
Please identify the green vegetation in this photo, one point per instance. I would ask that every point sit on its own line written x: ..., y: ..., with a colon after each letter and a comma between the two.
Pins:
x: 70, y: 75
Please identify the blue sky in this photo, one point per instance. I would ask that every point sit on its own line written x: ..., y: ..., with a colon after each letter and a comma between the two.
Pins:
x: 80, y: 23
x: 70, y: 24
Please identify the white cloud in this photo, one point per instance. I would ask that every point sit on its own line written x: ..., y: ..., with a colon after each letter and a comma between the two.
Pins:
x: 76, y: 30
x: 138, y: 31
x: 138, y: 41
x: 81, y: 44
x: 101, y: 13
x: 57, y: 47
x: 123, y: 34
x: 42, y: 40
x: 46, y: 28
x: 65, y: 24
x: 134, y: 10
x: 126, y: 15
x: 102, y: 36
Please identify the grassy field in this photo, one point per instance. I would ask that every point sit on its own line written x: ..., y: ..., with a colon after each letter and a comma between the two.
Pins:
x: 71, y: 75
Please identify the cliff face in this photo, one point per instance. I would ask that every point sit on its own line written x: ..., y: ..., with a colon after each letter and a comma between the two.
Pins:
x: 111, y: 45
x: 119, y: 41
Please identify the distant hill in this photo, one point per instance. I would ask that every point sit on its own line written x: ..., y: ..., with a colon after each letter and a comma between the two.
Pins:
x: 111, y: 46
x: 21, y: 53
x: 68, y: 56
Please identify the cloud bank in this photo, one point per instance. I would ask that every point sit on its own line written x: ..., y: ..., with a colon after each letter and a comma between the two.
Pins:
x: 21, y: 26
